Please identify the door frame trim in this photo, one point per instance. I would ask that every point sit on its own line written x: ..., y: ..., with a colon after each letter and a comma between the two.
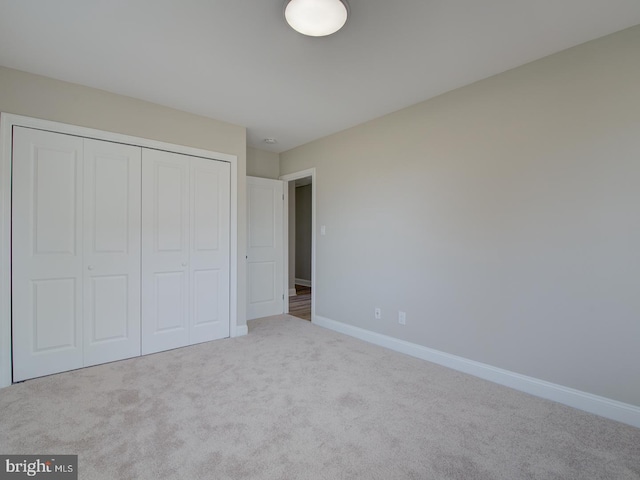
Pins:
x: 310, y: 172
x: 7, y: 122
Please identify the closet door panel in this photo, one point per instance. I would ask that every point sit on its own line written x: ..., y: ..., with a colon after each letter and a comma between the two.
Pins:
x: 46, y: 253
x: 165, y: 247
x: 170, y: 300
x: 111, y: 251
x: 209, y: 252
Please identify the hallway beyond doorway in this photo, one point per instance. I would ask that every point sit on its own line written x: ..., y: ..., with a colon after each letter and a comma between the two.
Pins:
x: 300, y: 304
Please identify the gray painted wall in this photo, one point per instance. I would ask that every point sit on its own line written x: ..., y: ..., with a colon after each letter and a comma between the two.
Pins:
x: 303, y: 233
x: 503, y: 217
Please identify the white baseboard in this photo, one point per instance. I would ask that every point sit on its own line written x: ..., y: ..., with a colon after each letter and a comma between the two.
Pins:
x: 241, y: 330
x: 605, y: 407
x: 292, y: 292
x: 304, y: 283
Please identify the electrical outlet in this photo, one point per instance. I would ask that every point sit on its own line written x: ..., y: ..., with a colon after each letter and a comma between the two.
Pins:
x: 402, y: 318
x: 377, y: 313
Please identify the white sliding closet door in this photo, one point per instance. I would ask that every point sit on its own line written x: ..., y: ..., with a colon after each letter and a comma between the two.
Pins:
x: 116, y: 251
x: 47, y: 265
x: 75, y: 252
x: 185, y: 243
x: 111, y: 251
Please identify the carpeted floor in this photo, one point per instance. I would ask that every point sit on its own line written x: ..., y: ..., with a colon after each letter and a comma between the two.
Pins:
x: 294, y: 401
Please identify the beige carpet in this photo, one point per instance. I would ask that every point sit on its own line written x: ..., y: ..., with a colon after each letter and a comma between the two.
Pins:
x: 294, y: 401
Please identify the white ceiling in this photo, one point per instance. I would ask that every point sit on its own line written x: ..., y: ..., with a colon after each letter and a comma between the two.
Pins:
x: 238, y: 61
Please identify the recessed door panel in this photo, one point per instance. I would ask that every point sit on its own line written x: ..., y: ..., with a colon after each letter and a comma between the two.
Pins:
x: 110, y: 184
x: 109, y: 315
x: 170, y: 207
x: 206, y: 284
x: 261, y: 286
x: 170, y: 295
x: 206, y: 214
x: 54, y: 193
x: 46, y: 260
x: 53, y: 314
x: 262, y: 208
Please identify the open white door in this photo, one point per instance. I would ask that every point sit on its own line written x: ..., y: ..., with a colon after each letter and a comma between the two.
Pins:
x: 265, y: 247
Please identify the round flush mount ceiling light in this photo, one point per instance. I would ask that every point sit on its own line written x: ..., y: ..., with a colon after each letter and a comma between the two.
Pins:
x: 316, y: 18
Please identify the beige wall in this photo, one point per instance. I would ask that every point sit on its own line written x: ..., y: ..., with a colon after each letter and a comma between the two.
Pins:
x: 261, y: 163
x: 35, y: 96
x: 503, y: 217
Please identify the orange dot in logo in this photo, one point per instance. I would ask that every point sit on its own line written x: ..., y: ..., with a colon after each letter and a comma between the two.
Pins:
x: 48, y: 463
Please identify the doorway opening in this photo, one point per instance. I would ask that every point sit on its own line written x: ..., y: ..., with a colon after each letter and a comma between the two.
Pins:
x: 300, y: 244
x: 300, y: 303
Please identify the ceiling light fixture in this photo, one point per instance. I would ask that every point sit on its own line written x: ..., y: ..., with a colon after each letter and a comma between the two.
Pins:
x: 316, y: 18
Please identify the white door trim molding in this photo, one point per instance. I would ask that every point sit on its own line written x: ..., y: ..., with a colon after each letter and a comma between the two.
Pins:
x: 7, y: 122
x: 311, y: 172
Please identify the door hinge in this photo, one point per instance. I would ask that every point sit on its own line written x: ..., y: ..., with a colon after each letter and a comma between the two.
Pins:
x: 283, y: 197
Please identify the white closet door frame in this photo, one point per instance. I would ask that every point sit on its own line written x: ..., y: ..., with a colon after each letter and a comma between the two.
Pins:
x: 7, y: 122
